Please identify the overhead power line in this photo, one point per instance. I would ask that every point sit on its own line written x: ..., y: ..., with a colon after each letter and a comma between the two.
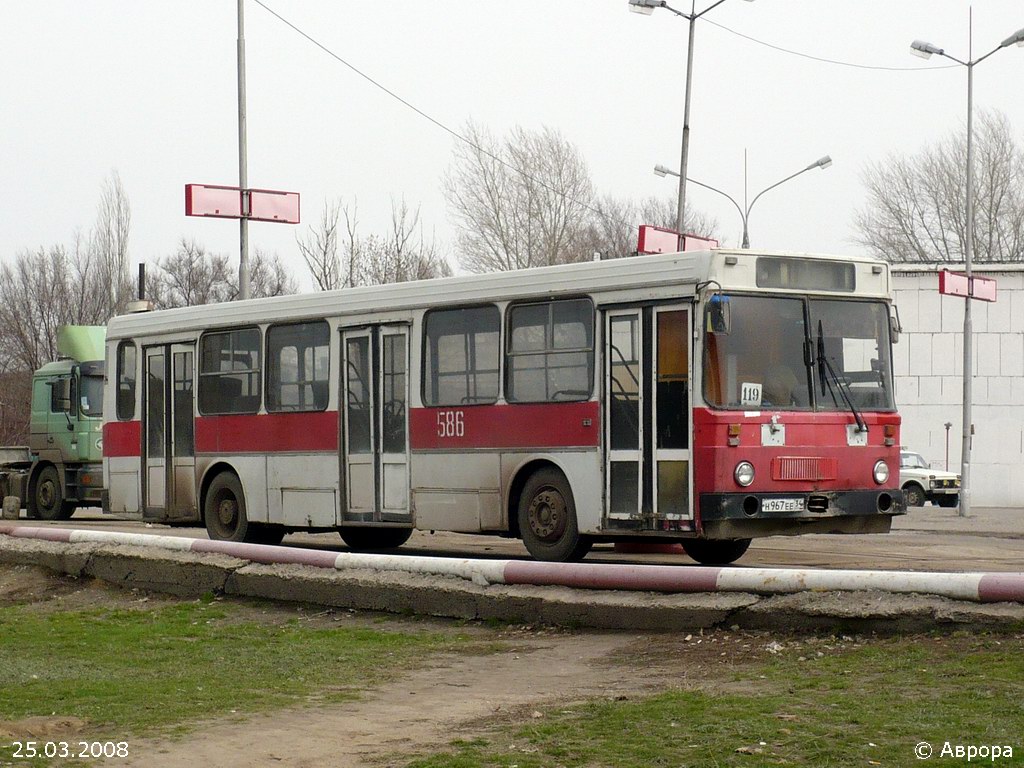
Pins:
x: 821, y: 59
x: 455, y: 134
x: 434, y: 120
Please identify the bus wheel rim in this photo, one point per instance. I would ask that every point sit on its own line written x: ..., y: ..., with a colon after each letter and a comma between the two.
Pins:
x: 227, y: 511
x: 547, y: 514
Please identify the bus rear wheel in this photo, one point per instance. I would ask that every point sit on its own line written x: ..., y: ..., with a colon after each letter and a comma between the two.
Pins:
x: 224, y: 510
x: 370, y: 539
x: 710, y: 552
x: 46, y: 502
x: 547, y: 519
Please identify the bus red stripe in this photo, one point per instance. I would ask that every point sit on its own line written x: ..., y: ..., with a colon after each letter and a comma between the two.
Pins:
x: 268, y: 433
x: 122, y: 438
x: 522, y: 425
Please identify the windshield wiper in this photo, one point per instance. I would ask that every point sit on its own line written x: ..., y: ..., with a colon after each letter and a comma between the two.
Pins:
x: 828, y: 374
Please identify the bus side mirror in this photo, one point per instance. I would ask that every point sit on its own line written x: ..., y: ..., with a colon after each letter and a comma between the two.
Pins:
x: 894, y: 325
x: 717, y: 317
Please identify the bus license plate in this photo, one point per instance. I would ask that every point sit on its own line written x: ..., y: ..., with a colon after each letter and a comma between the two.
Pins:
x: 782, y: 505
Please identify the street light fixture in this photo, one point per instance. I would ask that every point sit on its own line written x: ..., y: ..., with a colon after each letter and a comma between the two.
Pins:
x: 646, y: 7
x: 926, y: 50
x: 822, y: 163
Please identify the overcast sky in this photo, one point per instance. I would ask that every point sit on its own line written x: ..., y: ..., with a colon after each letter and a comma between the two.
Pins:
x: 149, y: 89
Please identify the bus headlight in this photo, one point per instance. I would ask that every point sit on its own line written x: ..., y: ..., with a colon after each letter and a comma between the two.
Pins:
x: 744, y: 473
x: 881, y: 472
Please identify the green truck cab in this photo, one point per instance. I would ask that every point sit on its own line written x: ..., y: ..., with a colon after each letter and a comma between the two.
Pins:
x: 65, y: 452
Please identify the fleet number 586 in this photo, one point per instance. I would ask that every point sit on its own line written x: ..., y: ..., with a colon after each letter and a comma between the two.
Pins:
x: 450, y: 424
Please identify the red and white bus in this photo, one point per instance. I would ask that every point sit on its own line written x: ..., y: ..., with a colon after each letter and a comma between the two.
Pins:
x: 703, y: 397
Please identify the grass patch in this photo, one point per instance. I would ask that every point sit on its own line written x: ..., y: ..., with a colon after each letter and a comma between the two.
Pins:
x: 141, y: 671
x: 854, y: 704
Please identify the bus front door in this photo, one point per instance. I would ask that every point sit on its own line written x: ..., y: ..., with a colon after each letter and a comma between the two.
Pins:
x: 375, y: 424
x: 169, y: 482
x: 648, y: 418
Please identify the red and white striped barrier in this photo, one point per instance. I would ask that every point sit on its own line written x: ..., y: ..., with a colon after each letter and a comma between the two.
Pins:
x: 976, y: 587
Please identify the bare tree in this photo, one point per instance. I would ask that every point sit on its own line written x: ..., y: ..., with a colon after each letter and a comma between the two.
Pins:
x: 614, y: 225
x: 916, y: 204
x: 15, y: 407
x: 50, y: 287
x: 523, y: 201
x: 108, y: 246
x: 403, y: 253
x: 267, y: 276
x: 192, y: 276
x: 34, y: 294
x: 319, y: 249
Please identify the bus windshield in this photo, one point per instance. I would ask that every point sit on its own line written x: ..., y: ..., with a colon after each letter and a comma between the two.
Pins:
x: 799, y: 354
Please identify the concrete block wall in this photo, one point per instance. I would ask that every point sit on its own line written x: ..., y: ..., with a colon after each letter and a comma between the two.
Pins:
x: 928, y: 360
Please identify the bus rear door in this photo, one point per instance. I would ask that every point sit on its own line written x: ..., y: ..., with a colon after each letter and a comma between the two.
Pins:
x: 169, y: 443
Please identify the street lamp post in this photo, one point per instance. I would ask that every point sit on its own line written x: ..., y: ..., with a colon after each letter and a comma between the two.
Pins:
x: 243, y: 171
x: 947, y: 425
x: 822, y: 163
x: 925, y: 50
x: 647, y: 7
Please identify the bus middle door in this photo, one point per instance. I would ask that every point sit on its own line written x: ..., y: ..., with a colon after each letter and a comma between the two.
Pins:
x: 375, y: 424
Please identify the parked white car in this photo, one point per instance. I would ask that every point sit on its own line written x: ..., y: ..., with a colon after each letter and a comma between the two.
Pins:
x: 921, y: 483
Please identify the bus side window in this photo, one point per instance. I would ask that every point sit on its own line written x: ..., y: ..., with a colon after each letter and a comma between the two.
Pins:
x: 298, y: 366
x: 229, y: 372
x: 550, y: 354
x: 460, y: 354
x: 126, y: 361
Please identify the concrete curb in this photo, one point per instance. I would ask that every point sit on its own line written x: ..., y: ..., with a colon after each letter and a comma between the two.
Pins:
x: 189, y: 574
x: 975, y: 587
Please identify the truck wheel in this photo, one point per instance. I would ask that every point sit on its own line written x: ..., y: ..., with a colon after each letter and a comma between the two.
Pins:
x: 224, y: 510
x: 46, y: 501
x: 710, y: 552
x: 547, y: 519
x: 913, y: 494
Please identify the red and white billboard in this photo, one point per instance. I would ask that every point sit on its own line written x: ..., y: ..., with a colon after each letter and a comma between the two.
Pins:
x: 955, y: 284
x: 226, y: 203
x: 663, y: 240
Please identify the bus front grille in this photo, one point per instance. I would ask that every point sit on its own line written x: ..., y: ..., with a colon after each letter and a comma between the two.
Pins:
x: 805, y: 468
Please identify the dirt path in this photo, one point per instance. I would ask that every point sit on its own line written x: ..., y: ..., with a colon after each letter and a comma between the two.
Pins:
x: 420, y: 710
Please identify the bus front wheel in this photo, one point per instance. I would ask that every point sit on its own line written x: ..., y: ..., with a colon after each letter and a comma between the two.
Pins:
x: 710, y: 552
x: 547, y: 519
x: 225, y: 509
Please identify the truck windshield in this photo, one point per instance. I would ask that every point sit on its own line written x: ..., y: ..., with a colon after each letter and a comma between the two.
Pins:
x: 767, y: 357
x: 91, y: 395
